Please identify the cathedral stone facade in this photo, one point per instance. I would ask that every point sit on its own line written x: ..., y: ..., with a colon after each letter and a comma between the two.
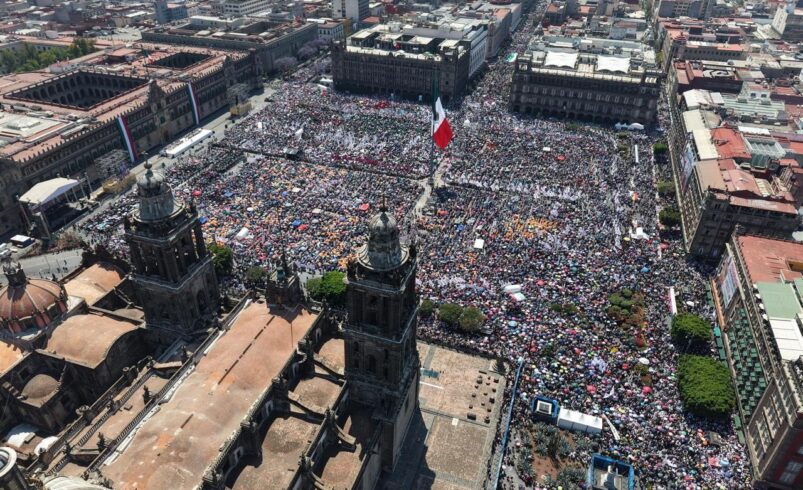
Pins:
x: 173, y: 272
x: 382, y: 364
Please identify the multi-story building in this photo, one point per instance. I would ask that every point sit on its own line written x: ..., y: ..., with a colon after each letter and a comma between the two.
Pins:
x: 788, y: 22
x: 386, y: 60
x: 682, y: 8
x: 758, y: 288
x: 719, y: 194
x: 703, y: 75
x: 585, y: 83
x: 58, y: 124
x: 354, y: 10
x: 469, y: 33
x: 269, y: 40
x: 166, y: 12
x: 330, y: 30
x: 242, y: 8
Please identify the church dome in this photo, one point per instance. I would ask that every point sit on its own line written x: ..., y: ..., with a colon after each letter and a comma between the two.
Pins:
x: 156, y: 199
x: 383, y: 250
x: 40, y: 386
x: 25, y: 302
x: 150, y: 183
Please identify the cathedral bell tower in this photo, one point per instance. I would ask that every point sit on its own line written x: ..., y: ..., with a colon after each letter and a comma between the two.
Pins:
x: 173, y: 273
x: 382, y: 364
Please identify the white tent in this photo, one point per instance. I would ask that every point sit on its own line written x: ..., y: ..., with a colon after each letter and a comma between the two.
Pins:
x: 579, y: 421
x: 243, y: 233
x: 512, y: 288
x: 479, y: 243
x: 46, y: 191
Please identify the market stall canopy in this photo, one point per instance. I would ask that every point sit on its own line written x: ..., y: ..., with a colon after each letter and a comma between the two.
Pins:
x: 44, y: 192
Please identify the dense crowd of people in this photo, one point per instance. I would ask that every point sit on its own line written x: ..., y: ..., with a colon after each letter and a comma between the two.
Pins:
x: 328, y: 128
x: 557, y: 211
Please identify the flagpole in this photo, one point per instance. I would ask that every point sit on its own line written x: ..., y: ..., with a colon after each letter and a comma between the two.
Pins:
x: 435, y: 82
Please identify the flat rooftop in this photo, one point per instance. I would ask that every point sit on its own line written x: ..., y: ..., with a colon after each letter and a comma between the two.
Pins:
x: 173, y: 448
x: 769, y: 260
x: 448, y: 450
x: 94, y: 282
x: 289, y: 434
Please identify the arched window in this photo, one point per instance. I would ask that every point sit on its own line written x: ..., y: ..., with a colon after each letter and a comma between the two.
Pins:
x: 372, y: 364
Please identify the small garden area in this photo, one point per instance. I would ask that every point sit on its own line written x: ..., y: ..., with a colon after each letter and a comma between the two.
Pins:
x: 542, y: 456
x: 469, y: 319
x: 626, y: 307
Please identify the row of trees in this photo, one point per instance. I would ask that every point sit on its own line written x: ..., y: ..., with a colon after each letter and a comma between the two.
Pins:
x: 704, y: 383
x: 28, y: 58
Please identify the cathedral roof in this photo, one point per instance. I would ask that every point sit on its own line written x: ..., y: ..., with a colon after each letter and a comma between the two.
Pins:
x: 23, y: 297
x: 87, y: 339
x: 40, y: 387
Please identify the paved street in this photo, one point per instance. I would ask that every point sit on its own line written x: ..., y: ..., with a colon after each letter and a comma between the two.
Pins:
x: 46, y: 266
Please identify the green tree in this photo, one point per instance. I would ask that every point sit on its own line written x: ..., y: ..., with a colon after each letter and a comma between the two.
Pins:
x: 313, y: 286
x: 690, y: 331
x: 222, y: 259
x: 666, y: 188
x: 255, y: 275
x: 333, y: 288
x: 570, y: 477
x: 669, y: 217
x: 426, y: 308
x: 450, y: 313
x: 472, y: 319
x: 705, y: 386
x: 660, y: 148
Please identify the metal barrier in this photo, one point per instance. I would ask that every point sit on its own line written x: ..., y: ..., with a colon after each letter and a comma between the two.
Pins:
x: 507, y: 425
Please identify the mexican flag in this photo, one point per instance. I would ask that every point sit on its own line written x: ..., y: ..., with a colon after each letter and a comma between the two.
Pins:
x: 441, y: 130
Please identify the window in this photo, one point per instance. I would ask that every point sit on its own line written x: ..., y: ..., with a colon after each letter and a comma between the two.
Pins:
x: 791, y: 472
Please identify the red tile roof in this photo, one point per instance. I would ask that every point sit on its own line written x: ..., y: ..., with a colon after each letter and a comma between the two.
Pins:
x: 766, y: 259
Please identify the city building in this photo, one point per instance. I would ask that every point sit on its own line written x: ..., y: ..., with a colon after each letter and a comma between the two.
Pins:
x: 757, y: 291
x: 788, y: 22
x: 587, y: 81
x: 325, y: 406
x: 471, y: 34
x: 242, y: 8
x: 703, y: 75
x: 58, y: 122
x: 330, y: 30
x: 683, y: 8
x: 354, y: 10
x: 719, y: 194
x: 172, y: 269
x: 270, y: 40
x: 386, y: 60
x: 166, y: 12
